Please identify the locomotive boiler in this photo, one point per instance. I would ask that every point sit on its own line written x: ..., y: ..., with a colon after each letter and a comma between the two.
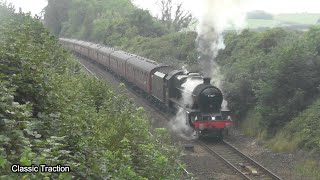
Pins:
x: 200, y: 101
x: 170, y: 88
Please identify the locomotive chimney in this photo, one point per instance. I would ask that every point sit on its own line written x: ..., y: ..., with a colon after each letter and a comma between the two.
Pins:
x: 206, y: 80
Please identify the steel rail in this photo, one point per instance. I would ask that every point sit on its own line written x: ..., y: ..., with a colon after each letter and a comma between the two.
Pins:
x: 238, y: 152
x: 87, y: 70
x: 224, y: 160
x: 274, y: 176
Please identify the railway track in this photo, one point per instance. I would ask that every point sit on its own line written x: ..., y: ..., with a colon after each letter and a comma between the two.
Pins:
x: 243, y: 165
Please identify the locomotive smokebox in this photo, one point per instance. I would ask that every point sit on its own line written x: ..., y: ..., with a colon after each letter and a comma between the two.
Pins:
x: 206, y: 80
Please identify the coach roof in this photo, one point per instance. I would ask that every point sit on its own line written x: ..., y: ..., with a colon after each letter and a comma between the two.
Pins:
x: 121, y: 55
x: 143, y: 63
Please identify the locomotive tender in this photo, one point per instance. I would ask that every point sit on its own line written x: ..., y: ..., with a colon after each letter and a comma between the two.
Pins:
x: 166, y: 85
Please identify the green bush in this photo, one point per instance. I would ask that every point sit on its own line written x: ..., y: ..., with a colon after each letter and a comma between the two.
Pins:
x: 51, y: 112
x: 273, y: 72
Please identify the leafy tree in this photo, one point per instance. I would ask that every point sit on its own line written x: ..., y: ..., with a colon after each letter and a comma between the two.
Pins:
x: 145, y: 23
x: 175, y: 18
x: 56, y: 12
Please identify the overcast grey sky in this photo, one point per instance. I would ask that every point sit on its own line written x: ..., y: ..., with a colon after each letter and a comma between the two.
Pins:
x: 34, y: 6
x: 273, y: 6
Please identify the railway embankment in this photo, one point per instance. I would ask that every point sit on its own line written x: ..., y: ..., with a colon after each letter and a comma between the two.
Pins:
x: 52, y: 113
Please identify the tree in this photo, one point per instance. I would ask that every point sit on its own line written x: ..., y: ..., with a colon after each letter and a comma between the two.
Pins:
x: 175, y: 18
x: 56, y: 12
x: 146, y: 24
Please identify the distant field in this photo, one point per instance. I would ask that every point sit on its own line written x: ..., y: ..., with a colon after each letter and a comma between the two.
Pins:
x: 298, y: 18
x: 296, y: 21
x: 283, y: 20
x: 259, y: 23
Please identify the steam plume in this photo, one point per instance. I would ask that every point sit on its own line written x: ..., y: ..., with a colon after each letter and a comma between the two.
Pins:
x: 216, y: 17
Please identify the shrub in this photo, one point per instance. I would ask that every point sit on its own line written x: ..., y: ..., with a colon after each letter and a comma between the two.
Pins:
x: 51, y: 112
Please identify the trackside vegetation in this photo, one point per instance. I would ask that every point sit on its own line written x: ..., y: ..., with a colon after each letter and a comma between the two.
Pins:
x: 52, y: 113
x: 271, y: 78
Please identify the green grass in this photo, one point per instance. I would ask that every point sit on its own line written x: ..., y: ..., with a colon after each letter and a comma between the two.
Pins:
x: 261, y: 23
x: 309, y: 170
x: 251, y: 125
x: 281, y: 20
x: 281, y: 143
x: 309, y: 19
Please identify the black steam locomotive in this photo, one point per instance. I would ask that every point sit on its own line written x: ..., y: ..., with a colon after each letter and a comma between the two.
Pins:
x: 174, y: 89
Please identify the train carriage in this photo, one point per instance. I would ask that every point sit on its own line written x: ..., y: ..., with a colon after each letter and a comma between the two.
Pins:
x: 83, y: 48
x: 69, y: 43
x: 77, y: 47
x: 93, y: 51
x: 104, y: 56
x: 139, y: 71
x: 118, y: 62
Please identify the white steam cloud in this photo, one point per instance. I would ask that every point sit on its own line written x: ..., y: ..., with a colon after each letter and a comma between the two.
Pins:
x: 180, y: 123
x: 216, y: 16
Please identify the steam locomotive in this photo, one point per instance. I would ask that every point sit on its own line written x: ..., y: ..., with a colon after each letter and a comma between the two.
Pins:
x: 173, y: 89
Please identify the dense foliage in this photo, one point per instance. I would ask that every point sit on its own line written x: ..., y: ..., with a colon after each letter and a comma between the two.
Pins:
x: 121, y: 25
x: 52, y: 113
x: 274, y: 73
